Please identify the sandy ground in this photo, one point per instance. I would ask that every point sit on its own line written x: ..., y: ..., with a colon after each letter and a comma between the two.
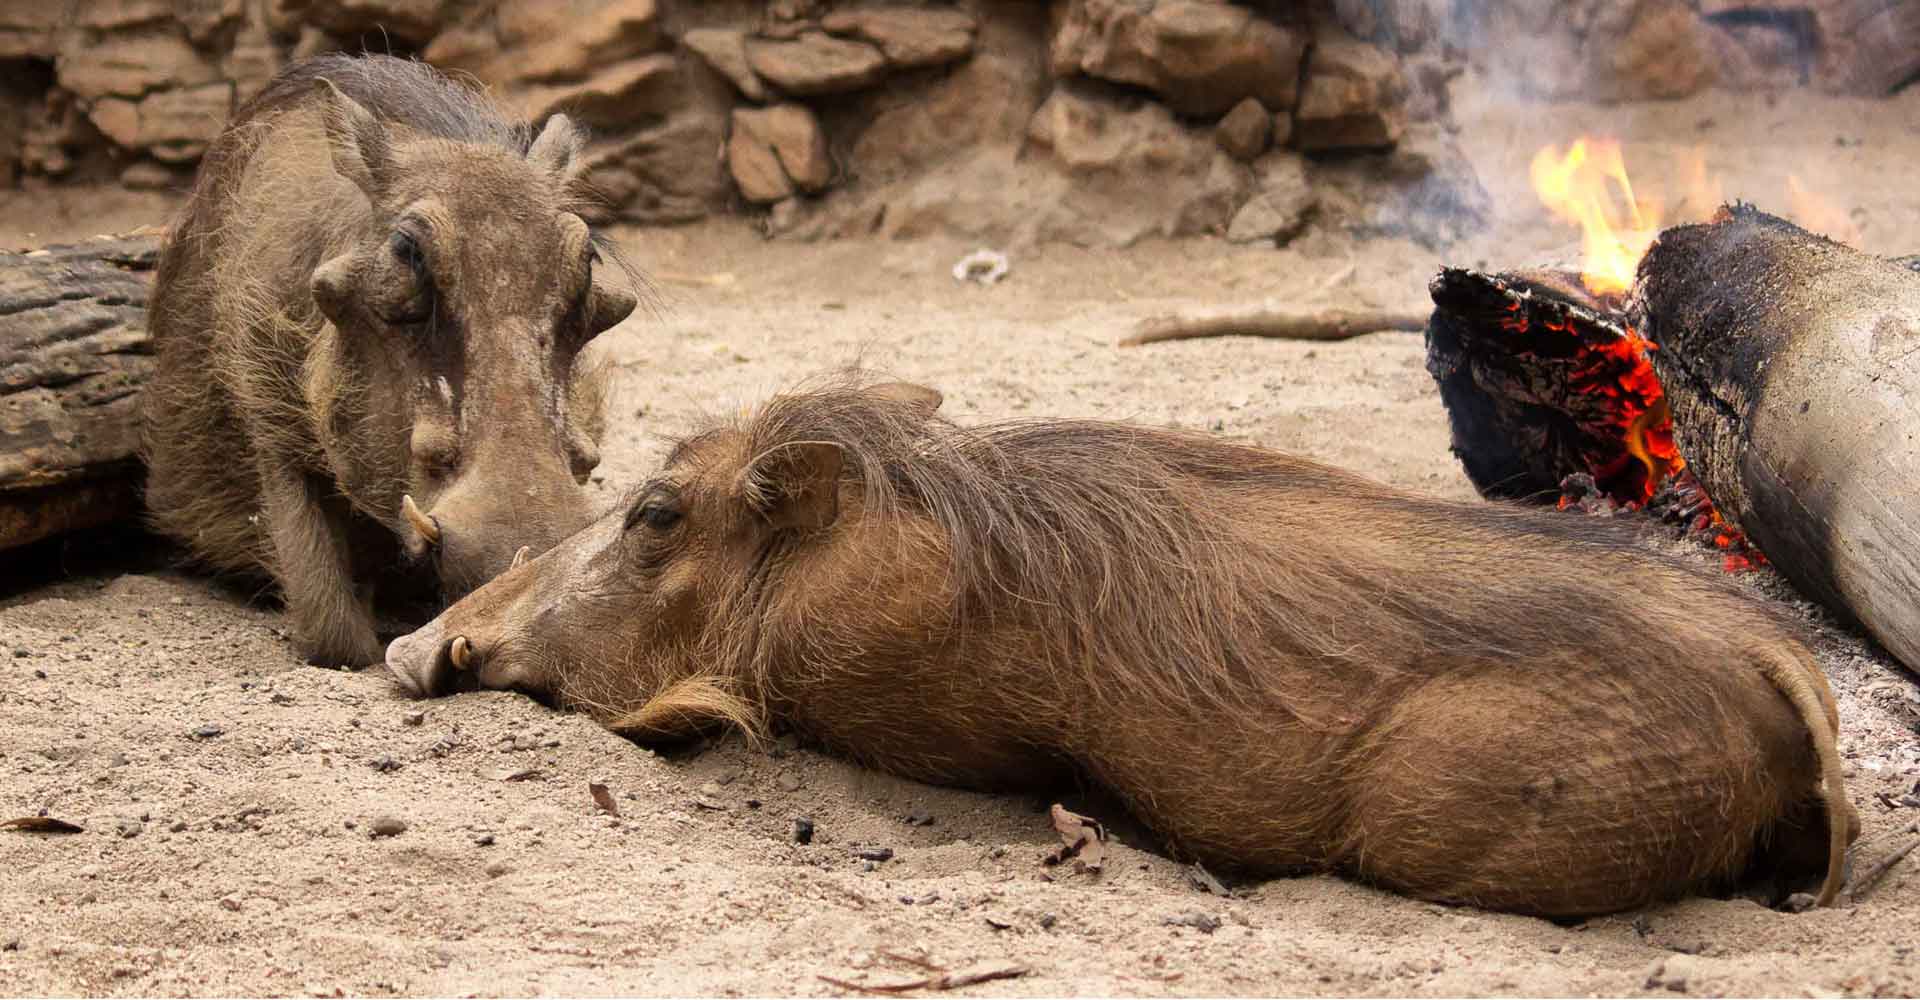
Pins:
x: 229, y: 794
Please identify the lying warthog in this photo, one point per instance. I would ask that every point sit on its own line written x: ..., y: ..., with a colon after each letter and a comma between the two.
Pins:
x: 1278, y: 665
x: 377, y: 293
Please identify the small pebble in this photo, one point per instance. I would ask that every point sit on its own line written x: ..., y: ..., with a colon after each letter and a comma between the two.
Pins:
x: 1799, y: 902
x: 384, y: 764
x: 484, y: 840
x: 802, y: 830
x: 919, y: 819
x: 231, y: 903
x: 788, y: 781
x: 1205, y: 923
x: 179, y: 826
x: 387, y: 826
x: 22, y: 653
x: 281, y: 698
x: 413, y: 718
x: 40, y: 675
x: 208, y: 731
x: 129, y: 827
x: 495, y: 869
x: 710, y: 790
x: 119, y: 760
x: 1047, y: 920
x: 874, y: 853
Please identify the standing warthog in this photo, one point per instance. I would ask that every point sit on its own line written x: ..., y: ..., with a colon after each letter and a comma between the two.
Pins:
x: 1278, y: 665
x: 377, y: 293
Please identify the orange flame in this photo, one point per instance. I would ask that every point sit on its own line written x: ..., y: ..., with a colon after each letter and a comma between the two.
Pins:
x: 1815, y: 214
x: 1588, y: 187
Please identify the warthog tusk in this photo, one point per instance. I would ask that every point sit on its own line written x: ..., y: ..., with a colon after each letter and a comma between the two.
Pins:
x: 428, y: 528
x: 461, y: 653
x: 521, y: 558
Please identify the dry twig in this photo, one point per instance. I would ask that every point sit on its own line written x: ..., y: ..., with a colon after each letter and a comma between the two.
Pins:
x: 1321, y: 324
x: 937, y: 981
x: 1864, y: 882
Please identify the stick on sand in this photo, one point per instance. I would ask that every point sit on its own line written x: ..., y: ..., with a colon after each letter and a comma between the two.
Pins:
x: 1321, y: 324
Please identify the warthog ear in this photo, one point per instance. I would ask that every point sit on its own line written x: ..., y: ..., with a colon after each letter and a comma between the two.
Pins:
x: 557, y: 149
x: 362, y: 150
x: 919, y: 400
x: 794, y: 486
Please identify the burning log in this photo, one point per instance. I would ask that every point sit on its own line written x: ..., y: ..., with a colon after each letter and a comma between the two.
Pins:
x: 1551, y: 397
x: 1792, y: 370
x: 73, y: 356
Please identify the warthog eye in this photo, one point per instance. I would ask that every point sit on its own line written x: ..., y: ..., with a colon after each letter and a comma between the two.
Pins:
x: 657, y: 516
x: 407, y: 251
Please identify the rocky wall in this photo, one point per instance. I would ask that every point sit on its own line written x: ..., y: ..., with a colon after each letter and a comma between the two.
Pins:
x: 1092, y: 121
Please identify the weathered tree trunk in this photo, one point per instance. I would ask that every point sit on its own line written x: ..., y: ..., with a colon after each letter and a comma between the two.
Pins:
x: 73, y: 357
x: 1792, y: 368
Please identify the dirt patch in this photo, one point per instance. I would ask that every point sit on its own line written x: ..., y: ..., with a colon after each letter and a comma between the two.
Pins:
x: 253, y: 825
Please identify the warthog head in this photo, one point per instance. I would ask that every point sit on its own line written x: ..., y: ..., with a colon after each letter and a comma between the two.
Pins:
x: 461, y: 307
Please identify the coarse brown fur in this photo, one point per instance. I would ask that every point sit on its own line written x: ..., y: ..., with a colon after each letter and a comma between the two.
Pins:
x: 379, y: 288
x: 1278, y: 665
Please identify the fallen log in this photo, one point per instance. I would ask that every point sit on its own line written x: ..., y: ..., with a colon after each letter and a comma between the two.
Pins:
x: 1791, y: 366
x: 73, y: 357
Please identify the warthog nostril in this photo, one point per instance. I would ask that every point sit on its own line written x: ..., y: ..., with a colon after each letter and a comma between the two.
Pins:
x: 460, y: 653
x: 428, y: 528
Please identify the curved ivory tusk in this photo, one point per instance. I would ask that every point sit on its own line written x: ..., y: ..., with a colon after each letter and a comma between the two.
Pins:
x: 428, y: 528
x: 521, y: 558
x: 461, y: 653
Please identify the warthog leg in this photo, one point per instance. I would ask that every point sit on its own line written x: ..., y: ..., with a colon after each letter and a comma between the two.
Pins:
x: 332, y: 623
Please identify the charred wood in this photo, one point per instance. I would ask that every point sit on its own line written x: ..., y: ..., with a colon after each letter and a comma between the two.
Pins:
x: 1792, y: 368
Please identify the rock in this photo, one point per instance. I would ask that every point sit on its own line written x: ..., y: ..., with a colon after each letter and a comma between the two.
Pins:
x: 725, y: 51
x: 802, y: 830
x: 384, y: 764
x: 495, y: 869
x: 617, y: 95
x: 793, y: 134
x: 580, y: 45
x: 985, y: 102
x: 251, y: 63
x: 874, y: 854
x: 1146, y: 173
x: 1426, y: 190
x: 132, y: 65
x: 909, y: 36
x: 1244, y: 132
x: 174, y: 125
x: 387, y: 826
x: 1205, y: 923
x: 1282, y: 203
x: 816, y: 63
x: 1799, y: 902
x: 1282, y: 130
x: 788, y: 781
x: 208, y: 731
x: 129, y: 826
x: 146, y: 175
x: 1352, y: 100
x: 668, y: 173
x: 230, y: 903
x: 756, y: 167
x: 536, y: 41
x: 1674, y: 972
x: 1663, y: 54
x: 1201, y: 57
x: 410, y: 22
x: 413, y: 718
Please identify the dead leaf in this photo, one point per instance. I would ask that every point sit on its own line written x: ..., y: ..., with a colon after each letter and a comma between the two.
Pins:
x: 1082, y: 840
x: 602, y: 798
x: 41, y: 824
